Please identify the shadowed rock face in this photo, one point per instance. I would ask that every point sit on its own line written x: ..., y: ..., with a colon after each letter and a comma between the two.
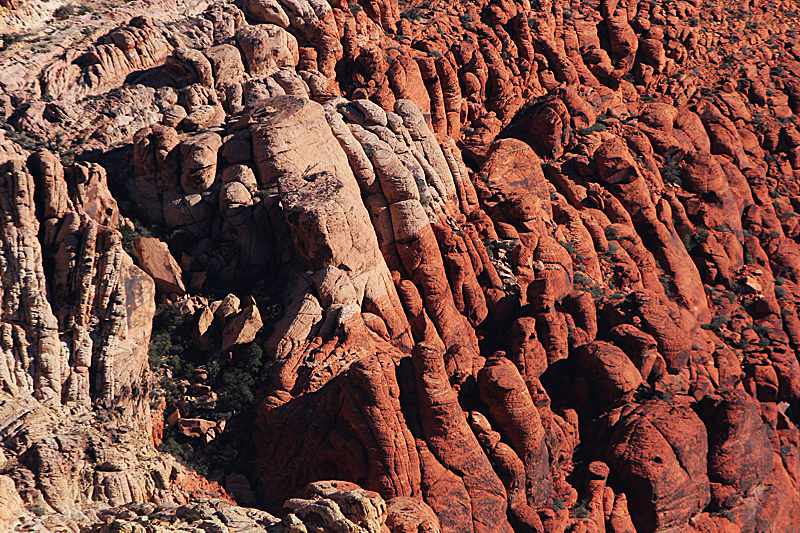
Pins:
x: 460, y: 267
x: 659, y: 453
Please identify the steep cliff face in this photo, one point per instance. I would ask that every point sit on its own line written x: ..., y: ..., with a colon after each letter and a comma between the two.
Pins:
x: 77, y: 318
x: 77, y: 313
x: 485, y: 267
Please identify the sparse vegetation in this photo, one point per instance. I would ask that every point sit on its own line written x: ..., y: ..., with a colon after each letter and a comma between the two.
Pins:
x: 569, y: 247
x: 236, y: 381
x: 184, y: 454
x: 128, y: 236
x: 7, y: 39
x: 692, y: 241
x: 33, y: 145
x: 725, y: 513
x: 763, y: 335
x: 36, y: 509
x: 235, y: 377
x: 412, y: 14
x: 671, y: 173
x: 597, y: 126
x: 716, y: 324
x: 64, y: 12
x: 646, y: 393
x: 666, y: 282
x: 581, y: 509
x: 584, y: 283
x: 90, y: 453
x: 727, y: 62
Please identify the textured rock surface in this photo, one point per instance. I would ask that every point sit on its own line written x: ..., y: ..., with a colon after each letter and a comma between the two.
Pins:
x: 154, y: 258
x: 328, y: 507
x: 659, y: 453
x: 495, y: 266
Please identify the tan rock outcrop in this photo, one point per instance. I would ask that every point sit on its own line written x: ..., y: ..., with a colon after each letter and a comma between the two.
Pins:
x: 154, y: 258
x: 267, y: 48
x: 330, y: 229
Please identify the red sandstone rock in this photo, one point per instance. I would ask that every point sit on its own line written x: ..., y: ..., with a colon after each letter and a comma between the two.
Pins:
x: 408, y: 515
x: 267, y: 48
x: 512, y: 172
x: 661, y: 447
x: 656, y: 184
x: 195, y: 427
x: 453, y: 442
x: 737, y: 437
x: 526, y: 350
x: 511, y: 406
x: 611, y: 372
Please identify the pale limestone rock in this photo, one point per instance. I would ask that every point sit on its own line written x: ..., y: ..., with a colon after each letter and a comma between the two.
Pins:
x: 424, y: 138
x: 49, y: 175
x: 226, y: 64
x: 242, y: 174
x: 30, y: 331
x: 300, y: 321
x: 291, y: 83
x: 90, y: 194
x: 137, y: 46
x: 13, y: 507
